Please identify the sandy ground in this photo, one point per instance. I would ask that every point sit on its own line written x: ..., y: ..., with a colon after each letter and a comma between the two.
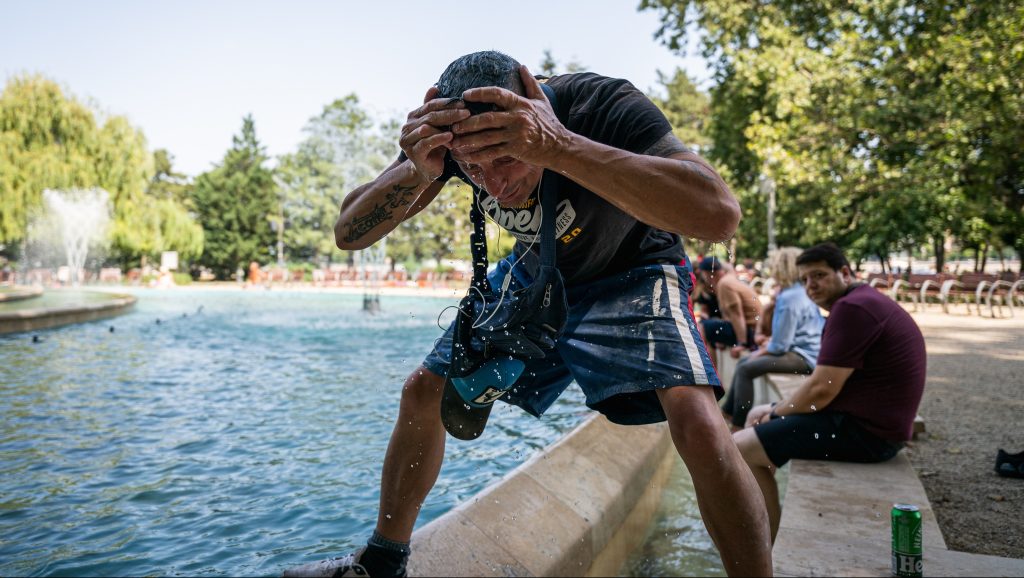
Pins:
x: 973, y: 404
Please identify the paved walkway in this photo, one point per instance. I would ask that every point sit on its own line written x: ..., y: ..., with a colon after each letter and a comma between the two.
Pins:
x: 973, y: 405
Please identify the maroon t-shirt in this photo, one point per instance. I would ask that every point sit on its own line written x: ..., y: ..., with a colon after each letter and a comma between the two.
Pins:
x: 870, y: 333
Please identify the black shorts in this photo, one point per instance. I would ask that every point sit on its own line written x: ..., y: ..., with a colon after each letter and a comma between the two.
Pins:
x: 825, y: 435
x: 720, y: 331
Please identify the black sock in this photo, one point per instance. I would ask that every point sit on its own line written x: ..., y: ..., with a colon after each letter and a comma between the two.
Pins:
x: 385, y: 558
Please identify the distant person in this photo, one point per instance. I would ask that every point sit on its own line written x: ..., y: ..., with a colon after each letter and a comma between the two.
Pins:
x: 625, y: 190
x: 753, y: 268
x: 860, y: 402
x: 255, y: 274
x: 739, y: 304
x: 792, y: 347
x: 704, y: 300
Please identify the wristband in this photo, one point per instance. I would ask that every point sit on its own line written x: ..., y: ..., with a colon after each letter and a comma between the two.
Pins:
x: 771, y: 414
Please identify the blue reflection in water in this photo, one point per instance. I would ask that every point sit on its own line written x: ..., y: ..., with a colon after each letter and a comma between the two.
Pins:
x: 235, y: 440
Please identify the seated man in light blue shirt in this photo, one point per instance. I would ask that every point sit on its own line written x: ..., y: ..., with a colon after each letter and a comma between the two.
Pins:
x: 795, y: 340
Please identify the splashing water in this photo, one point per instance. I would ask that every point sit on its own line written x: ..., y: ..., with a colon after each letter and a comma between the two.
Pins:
x: 76, y: 219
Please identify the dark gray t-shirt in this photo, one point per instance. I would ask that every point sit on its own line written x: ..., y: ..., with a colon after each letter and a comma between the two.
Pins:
x: 594, y: 238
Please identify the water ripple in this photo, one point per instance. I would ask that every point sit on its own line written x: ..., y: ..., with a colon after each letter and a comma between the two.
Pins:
x: 233, y: 441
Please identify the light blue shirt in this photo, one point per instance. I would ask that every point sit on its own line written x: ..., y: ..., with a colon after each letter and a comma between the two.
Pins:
x: 796, y: 325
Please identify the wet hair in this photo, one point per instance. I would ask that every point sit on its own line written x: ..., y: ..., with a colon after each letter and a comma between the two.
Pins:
x: 487, y: 68
x: 827, y: 252
x: 711, y: 264
x: 782, y: 264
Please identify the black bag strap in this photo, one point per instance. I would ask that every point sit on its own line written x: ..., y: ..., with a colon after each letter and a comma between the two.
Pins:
x: 478, y: 238
x: 548, y: 205
x: 478, y: 245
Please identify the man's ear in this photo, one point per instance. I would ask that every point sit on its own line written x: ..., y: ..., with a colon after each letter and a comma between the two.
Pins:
x: 847, y: 274
x: 530, y: 84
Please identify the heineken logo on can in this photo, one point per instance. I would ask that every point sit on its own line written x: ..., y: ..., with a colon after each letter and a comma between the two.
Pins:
x: 906, y: 541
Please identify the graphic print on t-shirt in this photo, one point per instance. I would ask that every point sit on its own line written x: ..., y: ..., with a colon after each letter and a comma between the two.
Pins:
x: 523, y: 221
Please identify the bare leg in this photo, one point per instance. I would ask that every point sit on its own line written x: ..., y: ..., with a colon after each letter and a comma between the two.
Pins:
x: 414, y: 456
x: 764, y: 472
x: 730, y: 503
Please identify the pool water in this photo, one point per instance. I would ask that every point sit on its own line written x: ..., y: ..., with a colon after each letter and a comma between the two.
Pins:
x: 232, y: 432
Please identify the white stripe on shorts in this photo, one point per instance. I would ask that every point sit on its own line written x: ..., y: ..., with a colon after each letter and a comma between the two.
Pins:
x: 700, y: 373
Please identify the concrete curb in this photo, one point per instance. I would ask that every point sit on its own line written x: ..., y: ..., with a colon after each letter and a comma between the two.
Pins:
x: 20, y: 293
x: 47, y: 317
x: 578, y: 508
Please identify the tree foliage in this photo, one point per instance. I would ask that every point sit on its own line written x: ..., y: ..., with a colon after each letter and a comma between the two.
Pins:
x: 170, y: 194
x: 343, y: 148
x: 686, y: 107
x: 549, y: 66
x: 885, y: 124
x: 235, y: 202
x: 49, y: 140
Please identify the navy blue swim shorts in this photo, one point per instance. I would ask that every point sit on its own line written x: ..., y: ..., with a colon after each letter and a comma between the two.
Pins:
x: 626, y: 336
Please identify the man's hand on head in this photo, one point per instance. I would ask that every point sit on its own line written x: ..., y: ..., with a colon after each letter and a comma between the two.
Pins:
x: 426, y: 135
x: 523, y: 127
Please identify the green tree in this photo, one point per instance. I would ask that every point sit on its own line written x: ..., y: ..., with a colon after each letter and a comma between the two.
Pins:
x: 551, y: 67
x: 441, y: 230
x: 886, y: 124
x: 342, y: 150
x: 235, y: 202
x: 170, y: 202
x: 686, y: 107
x: 49, y: 140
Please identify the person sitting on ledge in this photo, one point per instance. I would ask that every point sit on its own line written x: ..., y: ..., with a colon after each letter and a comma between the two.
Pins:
x: 795, y: 339
x: 625, y: 189
x: 738, y: 302
x: 705, y: 304
x: 860, y: 402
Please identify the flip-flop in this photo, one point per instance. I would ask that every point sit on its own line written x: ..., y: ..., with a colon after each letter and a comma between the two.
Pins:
x: 1010, y: 465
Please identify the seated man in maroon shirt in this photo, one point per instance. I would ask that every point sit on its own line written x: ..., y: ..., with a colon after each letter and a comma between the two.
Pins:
x: 859, y: 404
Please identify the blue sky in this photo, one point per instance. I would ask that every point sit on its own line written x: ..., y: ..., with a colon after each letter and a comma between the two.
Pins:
x: 186, y: 72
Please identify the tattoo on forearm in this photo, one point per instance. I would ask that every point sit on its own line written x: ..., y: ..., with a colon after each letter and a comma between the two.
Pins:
x: 398, y: 197
x: 362, y: 225
x: 703, y: 172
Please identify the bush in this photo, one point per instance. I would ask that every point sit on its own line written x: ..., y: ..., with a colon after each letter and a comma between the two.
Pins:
x: 182, y: 278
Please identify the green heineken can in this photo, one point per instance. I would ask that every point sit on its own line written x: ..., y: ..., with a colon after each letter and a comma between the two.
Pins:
x: 906, y: 541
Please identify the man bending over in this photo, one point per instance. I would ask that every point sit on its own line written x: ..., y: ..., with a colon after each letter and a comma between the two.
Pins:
x: 625, y: 190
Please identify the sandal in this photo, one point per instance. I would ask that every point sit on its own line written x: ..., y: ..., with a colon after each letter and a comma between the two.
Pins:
x: 1010, y: 465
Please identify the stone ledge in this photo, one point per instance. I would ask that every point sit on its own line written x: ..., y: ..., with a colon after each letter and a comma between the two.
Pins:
x: 834, y: 553
x: 47, y: 317
x: 568, y: 511
x: 20, y: 293
x: 836, y: 522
